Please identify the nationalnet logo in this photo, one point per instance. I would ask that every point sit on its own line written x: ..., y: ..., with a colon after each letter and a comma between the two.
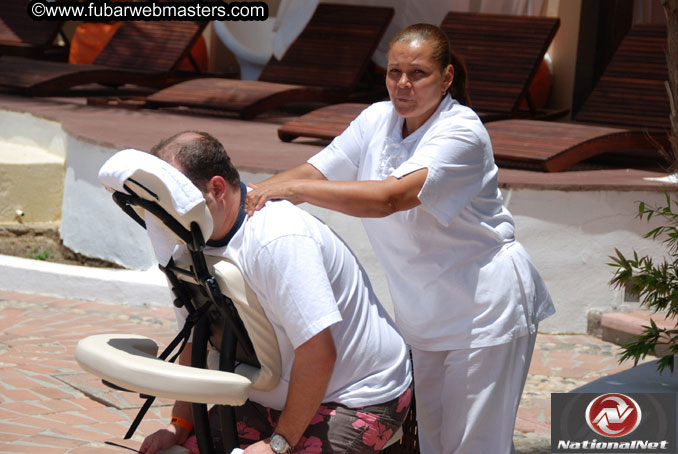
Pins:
x: 611, y: 423
x: 613, y: 415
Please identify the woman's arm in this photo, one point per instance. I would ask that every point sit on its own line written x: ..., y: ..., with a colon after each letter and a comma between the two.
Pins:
x: 303, y: 172
x: 355, y: 198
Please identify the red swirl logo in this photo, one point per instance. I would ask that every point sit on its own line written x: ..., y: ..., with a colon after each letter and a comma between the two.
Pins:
x: 613, y: 415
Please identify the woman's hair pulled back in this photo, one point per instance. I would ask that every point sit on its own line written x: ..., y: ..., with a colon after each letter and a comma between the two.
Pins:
x: 442, y: 53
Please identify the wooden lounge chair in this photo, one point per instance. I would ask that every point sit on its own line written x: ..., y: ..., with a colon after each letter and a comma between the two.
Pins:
x: 140, y: 53
x: 21, y: 36
x: 626, y: 116
x: 324, y: 64
x: 502, y: 54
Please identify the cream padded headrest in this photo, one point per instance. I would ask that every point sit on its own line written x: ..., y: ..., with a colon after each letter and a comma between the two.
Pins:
x: 129, y: 361
x: 155, y: 180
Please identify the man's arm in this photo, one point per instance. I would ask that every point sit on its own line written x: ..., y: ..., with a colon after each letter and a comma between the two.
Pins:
x: 311, y: 371
x: 172, y: 434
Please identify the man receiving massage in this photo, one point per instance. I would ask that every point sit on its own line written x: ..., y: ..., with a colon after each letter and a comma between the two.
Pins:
x: 345, y: 383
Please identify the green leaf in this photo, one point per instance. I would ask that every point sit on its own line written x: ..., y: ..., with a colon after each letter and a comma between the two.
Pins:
x: 655, y: 282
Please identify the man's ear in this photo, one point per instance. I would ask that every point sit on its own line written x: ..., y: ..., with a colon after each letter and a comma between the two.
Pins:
x: 217, y: 186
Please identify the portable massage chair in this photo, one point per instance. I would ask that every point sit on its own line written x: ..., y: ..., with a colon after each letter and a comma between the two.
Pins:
x: 224, y: 313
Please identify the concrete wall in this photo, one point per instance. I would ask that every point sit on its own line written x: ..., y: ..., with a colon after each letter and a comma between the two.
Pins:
x: 31, y: 169
x: 91, y: 223
x: 43, y: 134
x: 563, y: 51
x: 569, y: 234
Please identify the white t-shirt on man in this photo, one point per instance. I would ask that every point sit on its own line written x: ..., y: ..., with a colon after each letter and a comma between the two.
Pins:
x: 307, y: 280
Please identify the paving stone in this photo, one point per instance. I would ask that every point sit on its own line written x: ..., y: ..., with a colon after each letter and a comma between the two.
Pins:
x: 50, y: 405
x: 26, y: 408
x: 73, y: 418
x: 55, y: 441
x: 18, y: 395
x: 84, y: 433
x: 21, y: 448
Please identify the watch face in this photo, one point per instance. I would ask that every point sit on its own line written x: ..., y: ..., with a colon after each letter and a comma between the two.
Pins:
x: 279, y: 444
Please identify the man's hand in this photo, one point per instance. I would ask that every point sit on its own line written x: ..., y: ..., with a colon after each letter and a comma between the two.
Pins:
x: 161, y: 439
x: 172, y: 434
x: 260, y: 447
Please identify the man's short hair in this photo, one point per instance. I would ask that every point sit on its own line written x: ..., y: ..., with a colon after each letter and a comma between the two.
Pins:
x: 199, y: 155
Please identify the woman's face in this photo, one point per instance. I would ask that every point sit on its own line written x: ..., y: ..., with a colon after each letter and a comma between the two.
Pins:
x: 415, y: 82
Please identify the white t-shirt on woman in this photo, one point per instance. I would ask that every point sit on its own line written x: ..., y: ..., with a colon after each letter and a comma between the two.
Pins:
x: 457, y: 276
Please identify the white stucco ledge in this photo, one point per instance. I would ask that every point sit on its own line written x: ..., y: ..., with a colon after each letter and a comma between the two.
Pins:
x: 128, y: 287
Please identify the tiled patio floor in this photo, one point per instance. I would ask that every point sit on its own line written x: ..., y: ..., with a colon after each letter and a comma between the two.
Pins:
x: 48, y: 405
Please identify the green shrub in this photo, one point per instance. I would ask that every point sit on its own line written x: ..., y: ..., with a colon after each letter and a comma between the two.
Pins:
x: 37, y: 254
x: 656, y: 284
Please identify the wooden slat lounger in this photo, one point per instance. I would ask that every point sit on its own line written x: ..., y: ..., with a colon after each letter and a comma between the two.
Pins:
x: 502, y: 54
x: 22, y: 36
x: 324, y: 64
x: 627, y: 113
x: 140, y: 52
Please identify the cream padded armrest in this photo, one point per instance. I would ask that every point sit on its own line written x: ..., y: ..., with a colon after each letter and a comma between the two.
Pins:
x: 129, y: 361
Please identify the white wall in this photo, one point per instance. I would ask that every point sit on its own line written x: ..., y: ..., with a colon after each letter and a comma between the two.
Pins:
x: 91, y: 223
x: 43, y: 134
x: 570, y: 236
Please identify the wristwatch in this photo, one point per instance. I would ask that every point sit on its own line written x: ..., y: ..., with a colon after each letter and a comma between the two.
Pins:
x: 279, y: 445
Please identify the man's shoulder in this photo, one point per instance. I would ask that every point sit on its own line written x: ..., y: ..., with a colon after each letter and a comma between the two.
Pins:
x: 278, y: 219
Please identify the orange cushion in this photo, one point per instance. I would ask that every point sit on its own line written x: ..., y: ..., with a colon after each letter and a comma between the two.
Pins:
x: 199, y: 54
x: 540, y: 87
x: 90, y: 38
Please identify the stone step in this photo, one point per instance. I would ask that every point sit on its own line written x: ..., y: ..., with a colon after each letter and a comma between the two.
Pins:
x: 623, y: 327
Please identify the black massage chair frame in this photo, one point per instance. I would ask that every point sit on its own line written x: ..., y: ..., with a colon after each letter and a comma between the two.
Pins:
x: 212, y: 318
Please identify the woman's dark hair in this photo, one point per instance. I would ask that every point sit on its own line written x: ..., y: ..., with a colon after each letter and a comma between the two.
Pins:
x: 200, y: 156
x: 442, y: 53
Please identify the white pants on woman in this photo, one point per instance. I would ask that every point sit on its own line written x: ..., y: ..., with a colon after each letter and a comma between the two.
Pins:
x: 467, y: 399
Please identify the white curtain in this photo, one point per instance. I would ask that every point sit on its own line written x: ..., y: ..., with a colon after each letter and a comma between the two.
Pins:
x: 294, y: 14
